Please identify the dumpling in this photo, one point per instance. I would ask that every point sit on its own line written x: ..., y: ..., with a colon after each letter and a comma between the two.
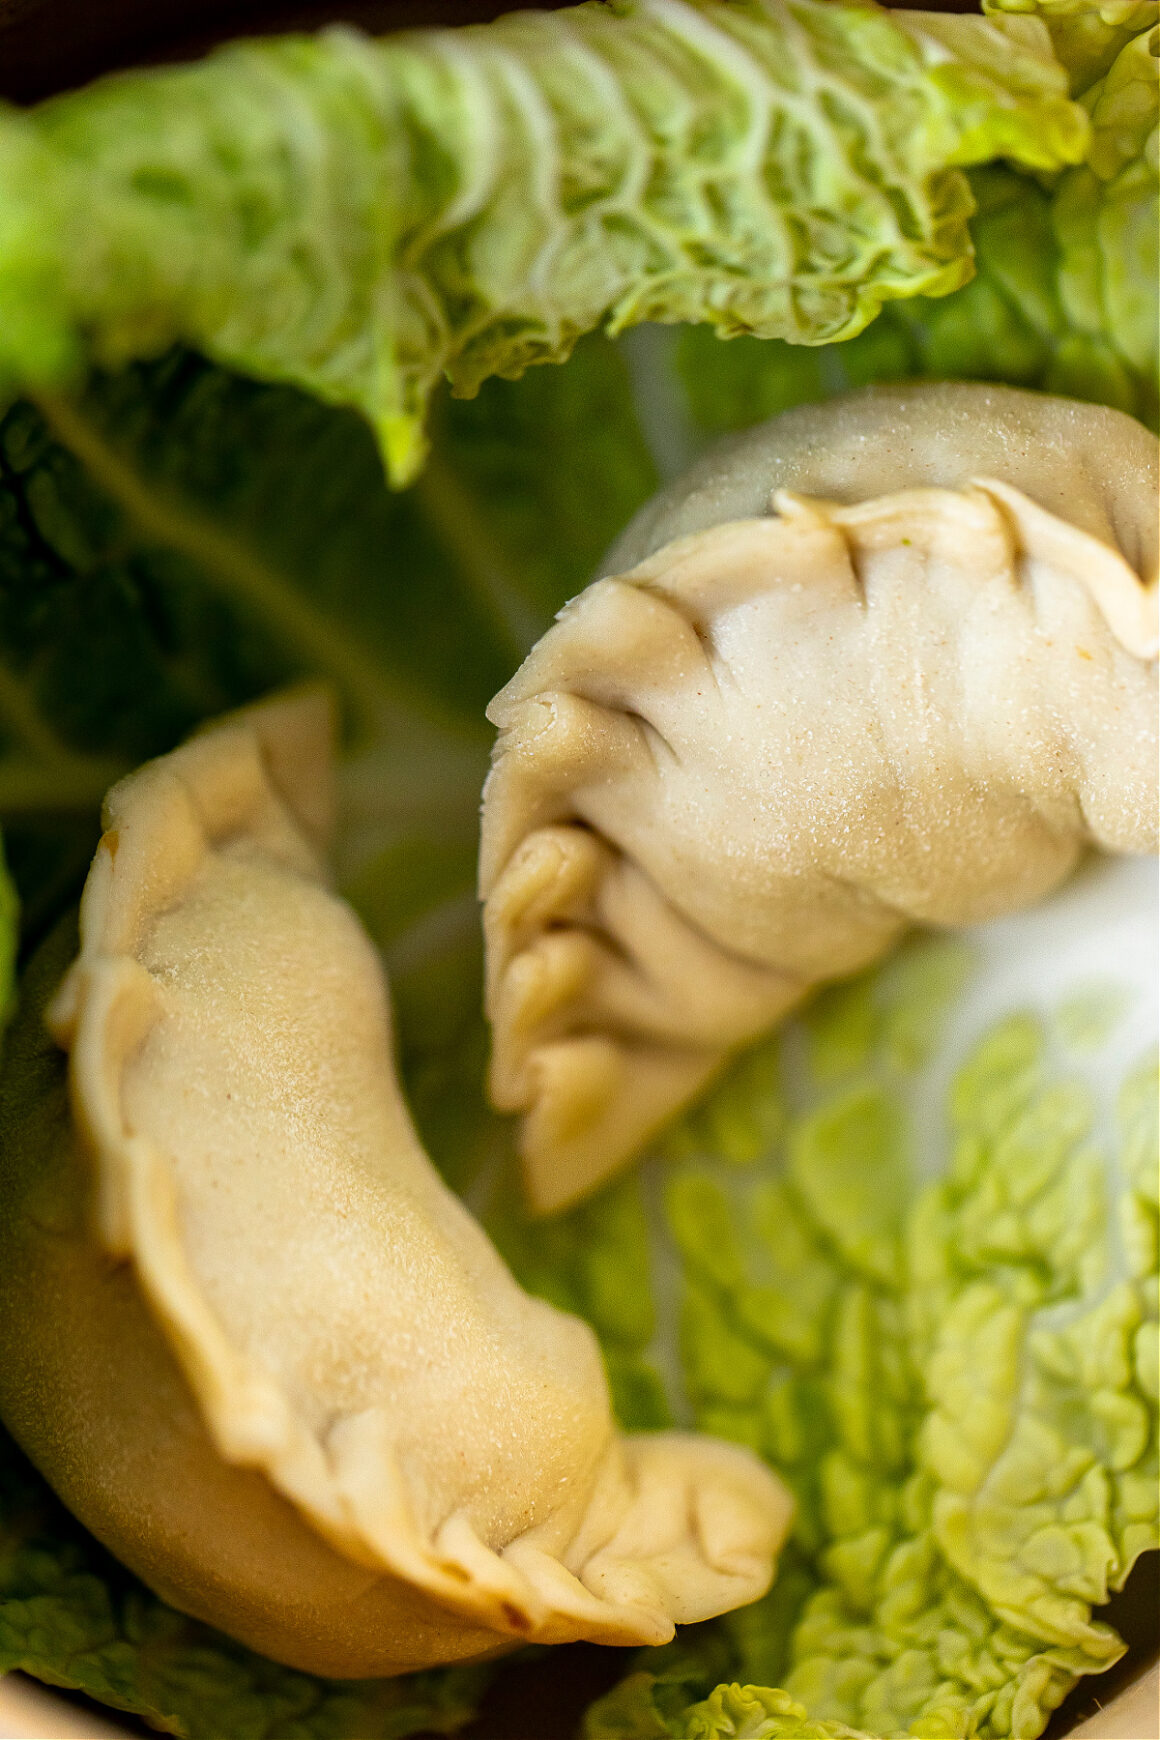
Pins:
x: 248, y: 1334
x: 881, y: 662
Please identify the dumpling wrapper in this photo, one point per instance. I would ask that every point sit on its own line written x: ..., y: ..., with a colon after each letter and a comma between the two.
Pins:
x: 249, y: 1335
x: 885, y: 661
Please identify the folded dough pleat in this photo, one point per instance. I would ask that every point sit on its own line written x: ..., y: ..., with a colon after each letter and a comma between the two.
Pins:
x: 747, y: 764
x: 275, y: 1365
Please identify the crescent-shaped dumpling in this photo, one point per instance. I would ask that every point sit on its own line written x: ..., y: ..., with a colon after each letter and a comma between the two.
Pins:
x: 249, y: 1335
x: 885, y: 661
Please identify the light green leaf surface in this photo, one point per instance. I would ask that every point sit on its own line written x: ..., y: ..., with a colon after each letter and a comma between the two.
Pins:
x: 177, y: 541
x: 360, y: 218
x: 956, y: 1380
x: 726, y: 1286
x: 1087, y: 35
x: 756, y: 1713
x: 1064, y: 292
x: 1106, y: 215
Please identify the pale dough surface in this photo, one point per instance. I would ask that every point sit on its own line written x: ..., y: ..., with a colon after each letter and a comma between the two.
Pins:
x: 886, y: 661
x: 275, y: 1364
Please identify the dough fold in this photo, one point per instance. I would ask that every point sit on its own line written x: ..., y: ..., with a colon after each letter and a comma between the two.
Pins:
x: 252, y: 1339
x: 746, y: 762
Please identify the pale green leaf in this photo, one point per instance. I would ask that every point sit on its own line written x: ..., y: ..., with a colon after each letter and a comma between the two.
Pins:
x: 360, y: 218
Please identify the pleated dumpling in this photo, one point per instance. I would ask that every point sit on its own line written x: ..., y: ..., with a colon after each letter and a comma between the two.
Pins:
x: 885, y: 661
x: 248, y: 1334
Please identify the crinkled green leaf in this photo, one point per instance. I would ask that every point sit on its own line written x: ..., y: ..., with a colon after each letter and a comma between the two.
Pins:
x: 355, y: 218
x: 1064, y: 292
x: 629, y: 1712
x: 956, y: 1380
x: 179, y: 540
x: 1106, y: 214
x: 360, y: 218
x: 1010, y: 323
x: 848, y: 1164
x: 1087, y: 35
x: 1040, y: 1437
x: 650, y: 1705
x: 1006, y: 324
x: 734, y: 1712
x: 636, y: 1710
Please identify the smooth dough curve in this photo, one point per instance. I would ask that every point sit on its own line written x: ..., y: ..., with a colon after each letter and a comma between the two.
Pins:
x: 250, y: 1336
x: 881, y: 662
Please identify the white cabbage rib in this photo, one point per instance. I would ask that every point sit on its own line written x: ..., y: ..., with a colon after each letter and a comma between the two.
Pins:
x: 354, y: 1442
x: 745, y: 766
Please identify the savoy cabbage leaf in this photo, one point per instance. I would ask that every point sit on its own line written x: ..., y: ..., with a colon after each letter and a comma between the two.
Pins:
x: 751, y: 1283
x: 957, y: 1379
x: 357, y: 219
x: 1086, y: 35
x: 361, y: 217
x: 1063, y: 296
x: 178, y: 540
x: 1106, y: 219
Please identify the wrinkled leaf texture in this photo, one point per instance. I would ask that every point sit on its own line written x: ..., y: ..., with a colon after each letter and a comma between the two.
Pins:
x: 1064, y: 293
x: 361, y: 218
x: 176, y: 539
x: 957, y: 1381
